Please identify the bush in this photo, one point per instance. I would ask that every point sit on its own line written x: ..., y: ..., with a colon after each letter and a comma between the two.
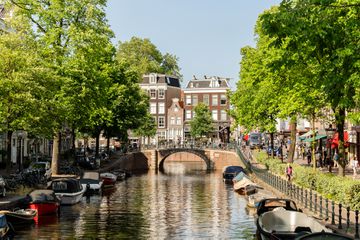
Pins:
x: 339, y: 189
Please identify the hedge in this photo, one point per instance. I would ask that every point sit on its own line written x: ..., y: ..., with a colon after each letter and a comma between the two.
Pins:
x: 340, y: 189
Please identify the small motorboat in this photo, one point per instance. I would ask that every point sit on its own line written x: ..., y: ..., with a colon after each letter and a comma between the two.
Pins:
x: 6, y: 229
x: 109, y: 179
x: 44, y: 201
x: 245, y: 186
x: 229, y: 172
x: 69, y: 190
x: 20, y: 216
x: 280, y: 219
x: 121, y: 174
x: 92, y: 182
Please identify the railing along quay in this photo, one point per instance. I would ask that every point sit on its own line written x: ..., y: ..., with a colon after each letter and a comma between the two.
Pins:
x: 337, y: 216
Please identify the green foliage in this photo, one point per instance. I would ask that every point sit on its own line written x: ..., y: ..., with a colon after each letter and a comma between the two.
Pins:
x: 337, y: 188
x: 143, y: 57
x: 201, y: 124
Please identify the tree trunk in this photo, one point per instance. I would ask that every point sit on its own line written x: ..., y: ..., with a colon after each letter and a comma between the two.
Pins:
x: 272, y: 144
x: 73, y: 137
x: 97, y: 143
x: 293, y: 122
x: 313, y: 142
x: 340, y: 121
x: 8, y: 151
x: 55, y: 154
x: 108, y: 145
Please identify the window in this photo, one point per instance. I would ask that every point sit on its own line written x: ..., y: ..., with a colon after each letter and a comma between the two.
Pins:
x: 161, y: 122
x: 194, y: 100
x: 215, y: 115
x: 154, y: 118
x: 161, y: 93
x: 153, y: 108
x: 188, y: 114
x: 188, y: 99
x: 153, y: 93
x: 152, y: 78
x: 161, y: 108
x: 215, y: 100
x: 178, y: 121
x: 161, y: 135
x: 176, y: 109
x: 206, y: 99
x: 223, y: 115
x: 172, y: 120
x: 223, y: 99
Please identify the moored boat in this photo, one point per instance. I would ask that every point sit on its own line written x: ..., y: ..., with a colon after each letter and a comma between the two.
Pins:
x: 281, y: 219
x: 323, y: 235
x: 69, y: 190
x: 5, y: 228
x: 20, y: 216
x: 229, y: 172
x: 108, y: 179
x: 245, y: 186
x: 44, y: 201
x: 92, y: 182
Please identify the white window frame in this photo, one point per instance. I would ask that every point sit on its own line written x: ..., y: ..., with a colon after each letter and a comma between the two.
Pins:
x: 178, y: 121
x: 162, y: 95
x: 172, y: 120
x: 153, y: 108
x: 214, y: 115
x: 223, y: 97
x: 195, y: 99
x: 152, y: 79
x: 160, y: 120
x: 214, y: 100
x: 188, y: 114
x: 152, y: 93
x: 161, y: 108
x: 188, y: 99
x: 208, y: 99
x: 223, y: 115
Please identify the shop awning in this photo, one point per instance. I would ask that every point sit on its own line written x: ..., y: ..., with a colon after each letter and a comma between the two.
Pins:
x: 317, y: 137
x: 335, y: 140
x: 306, y: 135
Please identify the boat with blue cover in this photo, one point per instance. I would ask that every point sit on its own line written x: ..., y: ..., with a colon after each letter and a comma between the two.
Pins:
x: 229, y: 172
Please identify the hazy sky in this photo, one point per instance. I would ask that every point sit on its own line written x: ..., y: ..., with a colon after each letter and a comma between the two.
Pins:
x: 206, y: 35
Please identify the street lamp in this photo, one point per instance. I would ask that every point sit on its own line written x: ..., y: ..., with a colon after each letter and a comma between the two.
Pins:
x: 329, y: 133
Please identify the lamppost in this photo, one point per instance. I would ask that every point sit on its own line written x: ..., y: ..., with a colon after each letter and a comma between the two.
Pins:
x: 329, y: 133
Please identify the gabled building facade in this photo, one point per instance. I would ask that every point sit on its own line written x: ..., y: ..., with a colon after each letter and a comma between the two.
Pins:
x: 161, y: 89
x: 176, y: 122
x: 211, y: 91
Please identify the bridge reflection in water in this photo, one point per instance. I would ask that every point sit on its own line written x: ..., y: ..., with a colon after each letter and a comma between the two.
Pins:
x: 187, y: 204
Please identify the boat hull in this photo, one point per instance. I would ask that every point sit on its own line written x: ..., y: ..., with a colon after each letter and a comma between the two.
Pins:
x: 20, y: 217
x: 45, y: 208
x: 70, y: 198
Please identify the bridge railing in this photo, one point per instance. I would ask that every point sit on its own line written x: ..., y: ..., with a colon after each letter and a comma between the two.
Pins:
x: 195, y: 145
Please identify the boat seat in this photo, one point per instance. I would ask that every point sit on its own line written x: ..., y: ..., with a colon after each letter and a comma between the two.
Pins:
x: 302, y: 229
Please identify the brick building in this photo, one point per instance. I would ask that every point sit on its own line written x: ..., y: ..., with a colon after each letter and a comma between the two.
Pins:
x: 175, y: 122
x: 161, y: 89
x: 211, y: 91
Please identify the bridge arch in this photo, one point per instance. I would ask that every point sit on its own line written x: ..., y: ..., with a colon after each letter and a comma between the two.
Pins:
x: 164, y: 153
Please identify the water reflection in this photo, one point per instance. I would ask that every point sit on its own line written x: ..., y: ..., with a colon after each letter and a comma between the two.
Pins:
x: 184, y: 202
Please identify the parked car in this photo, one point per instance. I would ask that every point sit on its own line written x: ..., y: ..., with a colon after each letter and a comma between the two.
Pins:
x: 2, y: 187
x: 42, y: 167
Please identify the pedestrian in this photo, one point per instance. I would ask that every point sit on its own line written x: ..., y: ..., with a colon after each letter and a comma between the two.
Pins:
x: 308, y: 156
x: 354, y: 165
x: 336, y: 159
x: 289, y: 172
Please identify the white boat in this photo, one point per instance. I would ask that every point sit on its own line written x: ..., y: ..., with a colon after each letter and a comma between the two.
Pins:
x: 91, y: 182
x: 285, y: 222
x: 245, y: 186
x: 69, y: 190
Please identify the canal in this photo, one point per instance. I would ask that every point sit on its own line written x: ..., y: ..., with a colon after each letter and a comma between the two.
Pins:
x: 185, y: 202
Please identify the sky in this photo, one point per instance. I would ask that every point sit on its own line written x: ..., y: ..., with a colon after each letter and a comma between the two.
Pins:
x: 206, y: 35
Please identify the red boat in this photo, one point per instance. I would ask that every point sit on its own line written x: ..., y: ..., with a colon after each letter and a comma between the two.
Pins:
x: 109, y: 179
x: 44, y: 201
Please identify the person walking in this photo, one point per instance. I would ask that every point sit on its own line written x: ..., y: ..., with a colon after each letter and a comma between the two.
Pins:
x: 354, y: 166
x: 308, y: 156
x: 289, y: 172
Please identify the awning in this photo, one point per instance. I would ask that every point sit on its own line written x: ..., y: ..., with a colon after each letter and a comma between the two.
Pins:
x: 317, y: 137
x: 308, y: 134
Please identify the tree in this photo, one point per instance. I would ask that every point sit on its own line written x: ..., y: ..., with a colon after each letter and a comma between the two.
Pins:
x: 324, y: 35
x: 144, y: 57
x: 201, y: 124
x: 75, y: 39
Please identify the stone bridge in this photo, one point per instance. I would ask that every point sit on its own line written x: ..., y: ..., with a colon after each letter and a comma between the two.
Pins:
x: 213, y: 158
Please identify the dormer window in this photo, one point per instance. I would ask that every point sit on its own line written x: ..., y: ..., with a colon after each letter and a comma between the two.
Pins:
x: 191, y: 85
x: 152, y: 79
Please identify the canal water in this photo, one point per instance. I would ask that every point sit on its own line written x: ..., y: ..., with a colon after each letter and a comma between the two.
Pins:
x: 185, y: 202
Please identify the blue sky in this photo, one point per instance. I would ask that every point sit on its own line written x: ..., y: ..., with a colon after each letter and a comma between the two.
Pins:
x: 206, y: 35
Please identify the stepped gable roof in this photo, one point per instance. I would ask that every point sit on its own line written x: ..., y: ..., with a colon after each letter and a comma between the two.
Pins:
x: 208, y: 82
